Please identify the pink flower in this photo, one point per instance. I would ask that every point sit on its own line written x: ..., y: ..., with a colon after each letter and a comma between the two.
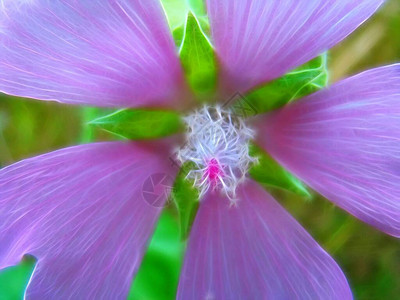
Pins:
x: 80, y: 210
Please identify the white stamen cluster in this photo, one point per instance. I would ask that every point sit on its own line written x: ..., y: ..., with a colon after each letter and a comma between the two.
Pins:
x: 217, y: 143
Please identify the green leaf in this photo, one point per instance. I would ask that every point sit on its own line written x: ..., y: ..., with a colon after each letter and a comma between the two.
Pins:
x: 158, y: 275
x: 302, y: 81
x: 186, y: 199
x: 139, y: 124
x: 269, y: 173
x: 198, y: 59
x: 13, y: 280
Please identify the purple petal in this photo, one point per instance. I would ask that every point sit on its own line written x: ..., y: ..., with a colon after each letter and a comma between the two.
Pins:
x: 345, y: 143
x: 255, y: 251
x: 81, y: 211
x: 94, y: 52
x: 258, y: 40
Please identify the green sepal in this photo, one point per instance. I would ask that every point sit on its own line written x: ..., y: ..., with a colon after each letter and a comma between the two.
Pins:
x: 158, y: 275
x: 302, y: 81
x: 186, y: 199
x: 198, y: 58
x: 270, y: 173
x: 13, y: 280
x: 140, y: 124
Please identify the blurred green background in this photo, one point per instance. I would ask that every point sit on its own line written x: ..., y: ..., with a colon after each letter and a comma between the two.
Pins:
x: 369, y: 258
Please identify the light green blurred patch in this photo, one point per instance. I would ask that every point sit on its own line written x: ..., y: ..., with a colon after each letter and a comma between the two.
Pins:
x: 298, y: 83
x: 29, y: 127
x: 158, y: 276
x: 198, y: 7
x: 176, y: 11
x: 13, y: 280
x: 140, y: 124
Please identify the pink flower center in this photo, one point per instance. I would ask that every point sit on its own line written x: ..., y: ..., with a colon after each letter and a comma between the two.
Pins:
x: 213, y: 171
